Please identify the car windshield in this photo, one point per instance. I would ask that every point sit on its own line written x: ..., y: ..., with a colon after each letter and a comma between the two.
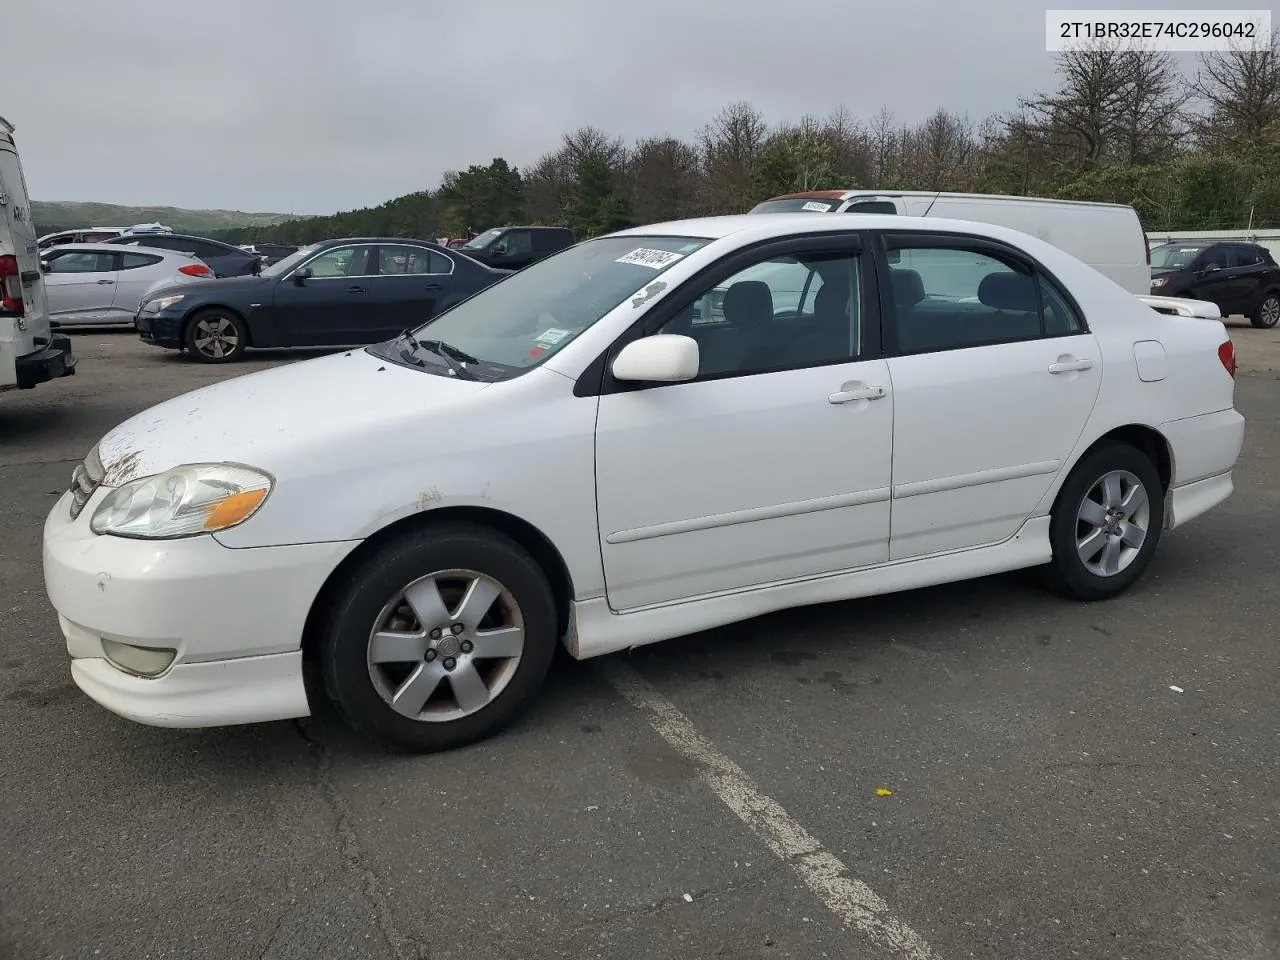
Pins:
x: 528, y: 316
x: 796, y: 205
x: 1173, y: 256
x: 281, y: 267
x: 475, y: 243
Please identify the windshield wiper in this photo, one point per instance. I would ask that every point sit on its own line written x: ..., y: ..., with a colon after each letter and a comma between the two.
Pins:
x: 450, y: 354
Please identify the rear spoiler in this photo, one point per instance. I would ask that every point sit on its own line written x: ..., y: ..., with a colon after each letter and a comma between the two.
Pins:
x: 1179, y: 307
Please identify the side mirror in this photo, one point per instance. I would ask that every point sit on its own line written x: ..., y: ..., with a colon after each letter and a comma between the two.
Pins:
x: 44, y: 266
x: 662, y: 358
x: 301, y: 274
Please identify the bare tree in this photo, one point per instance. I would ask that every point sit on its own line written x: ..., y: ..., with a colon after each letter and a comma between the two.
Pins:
x: 1079, y: 120
x: 1239, y: 91
x: 666, y: 180
x: 885, y: 149
x: 731, y: 146
x: 1149, y: 120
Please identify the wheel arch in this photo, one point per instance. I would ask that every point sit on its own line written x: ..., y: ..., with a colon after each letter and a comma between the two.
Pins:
x: 538, y: 544
x: 1141, y: 436
x: 194, y: 312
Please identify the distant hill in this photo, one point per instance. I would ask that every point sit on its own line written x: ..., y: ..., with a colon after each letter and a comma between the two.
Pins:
x: 52, y: 216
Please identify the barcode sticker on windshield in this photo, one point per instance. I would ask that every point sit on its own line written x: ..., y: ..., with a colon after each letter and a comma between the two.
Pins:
x: 552, y: 336
x: 816, y: 207
x: 646, y: 257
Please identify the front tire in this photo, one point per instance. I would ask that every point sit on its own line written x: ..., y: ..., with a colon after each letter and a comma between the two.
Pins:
x: 215, y: 336
x: 1267, y: 313
x: 1106, y: 524
x: 439, y: 639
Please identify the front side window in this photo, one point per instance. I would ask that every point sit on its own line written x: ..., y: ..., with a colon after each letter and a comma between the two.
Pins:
x: 781, y: 313
x: 482, y: 241
x: 950, y: 298
x: 529, y: 316
x: 342, y: 262
x: 79, y: 261
x: 1173, y: 256
x: 517, y: 243
x: 283, y: 266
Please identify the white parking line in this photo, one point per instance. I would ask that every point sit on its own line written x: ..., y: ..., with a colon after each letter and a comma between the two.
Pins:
x: 858, y: 906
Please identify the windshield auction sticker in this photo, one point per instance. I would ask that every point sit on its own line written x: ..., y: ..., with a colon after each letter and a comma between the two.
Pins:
x: 646, y: 257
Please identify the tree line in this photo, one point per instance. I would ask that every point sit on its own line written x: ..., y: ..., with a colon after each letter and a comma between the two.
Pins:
x: 1193, y: 150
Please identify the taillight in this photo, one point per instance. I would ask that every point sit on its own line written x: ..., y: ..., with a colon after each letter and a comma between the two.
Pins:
x: 195, y: 270
x: 10, y: 287
x: 1227, y: 354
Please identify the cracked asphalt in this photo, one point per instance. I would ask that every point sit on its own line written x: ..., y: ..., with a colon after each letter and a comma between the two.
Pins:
x: 1050, y: 795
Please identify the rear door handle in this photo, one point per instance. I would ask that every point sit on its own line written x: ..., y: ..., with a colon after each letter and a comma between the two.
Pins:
x: 860, y: 393
x: 434, y: 286
x: 1070, y: 366
x: 106, y: 281
x: 355, y: 289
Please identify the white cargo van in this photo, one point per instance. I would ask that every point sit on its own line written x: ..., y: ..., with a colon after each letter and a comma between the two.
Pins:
x: 1107, y: 236
x: 29, y: 352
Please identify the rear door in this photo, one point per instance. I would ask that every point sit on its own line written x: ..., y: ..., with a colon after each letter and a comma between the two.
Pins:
x: 991, y: 389
x: 1249, y: 277
x: 136, y: 273
x: 413, y: 285
x: 18, y: 230
x: 80, y: 285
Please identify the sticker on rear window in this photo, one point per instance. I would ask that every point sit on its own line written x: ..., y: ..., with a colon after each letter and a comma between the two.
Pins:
x: 816, y: 207
x: 552, y: 336
x: 647, y: 257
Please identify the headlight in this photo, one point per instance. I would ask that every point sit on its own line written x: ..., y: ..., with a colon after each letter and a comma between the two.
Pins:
x: 163, y: 303
x: 184, y: 502
x: 1159, y: 282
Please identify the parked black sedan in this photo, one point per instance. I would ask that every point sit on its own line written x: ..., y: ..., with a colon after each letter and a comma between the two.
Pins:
x: 336, y: 293
x: 222, y: 258
x: 1241, y: 278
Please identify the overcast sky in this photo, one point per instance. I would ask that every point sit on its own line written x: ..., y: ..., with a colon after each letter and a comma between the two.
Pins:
x: 323, y: 105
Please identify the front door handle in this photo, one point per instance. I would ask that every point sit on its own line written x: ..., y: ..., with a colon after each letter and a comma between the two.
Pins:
x: 859, y: 393
x: 355, y: 289
x: 1070, y: 366
x: 106, y: 281
x: 434, y: 286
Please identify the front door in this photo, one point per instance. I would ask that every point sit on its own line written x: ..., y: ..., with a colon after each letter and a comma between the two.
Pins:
x: 991, y: 392
x: 774, y: 463
x: 80, y: 285
x: 333, y: 304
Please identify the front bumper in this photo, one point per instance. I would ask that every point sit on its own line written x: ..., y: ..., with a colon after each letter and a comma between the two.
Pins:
x: 160, y: 329
x: 54, y: 361
x: 234, y: 616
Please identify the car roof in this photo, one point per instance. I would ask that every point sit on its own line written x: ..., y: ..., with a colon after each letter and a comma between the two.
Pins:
x: 747, y: 227
x: 113, y: 248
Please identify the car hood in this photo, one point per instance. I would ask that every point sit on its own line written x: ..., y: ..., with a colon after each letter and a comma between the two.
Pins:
x: 216, y: 286
x: 275, y: 418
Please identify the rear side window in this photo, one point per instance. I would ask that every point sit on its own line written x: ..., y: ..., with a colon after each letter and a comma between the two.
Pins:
x: 203, y: 250
x: 132, y: 261
x: 871, y: 206
x: 950, y: 298
x: 1248, y: 255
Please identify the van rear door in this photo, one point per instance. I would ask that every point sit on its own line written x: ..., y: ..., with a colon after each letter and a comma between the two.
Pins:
x: 18, y: 239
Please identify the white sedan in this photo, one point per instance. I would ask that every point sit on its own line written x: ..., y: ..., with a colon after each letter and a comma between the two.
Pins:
x: 100, y: 283
x: 588, y: 453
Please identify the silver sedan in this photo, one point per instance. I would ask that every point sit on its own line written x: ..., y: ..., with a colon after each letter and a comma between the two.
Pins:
x: 104, y: 284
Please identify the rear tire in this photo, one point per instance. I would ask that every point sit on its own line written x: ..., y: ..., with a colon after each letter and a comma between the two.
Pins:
x: 1106, y: 524
x: 1267, y: 313
x: 215, y: 336
x: 439, y: 639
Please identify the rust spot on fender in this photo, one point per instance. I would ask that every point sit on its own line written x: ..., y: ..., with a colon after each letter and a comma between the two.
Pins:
x: 429, y: 498
x: 121, y: 470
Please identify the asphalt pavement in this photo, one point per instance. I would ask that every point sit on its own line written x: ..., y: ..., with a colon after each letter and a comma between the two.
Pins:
x: 975, y: 770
